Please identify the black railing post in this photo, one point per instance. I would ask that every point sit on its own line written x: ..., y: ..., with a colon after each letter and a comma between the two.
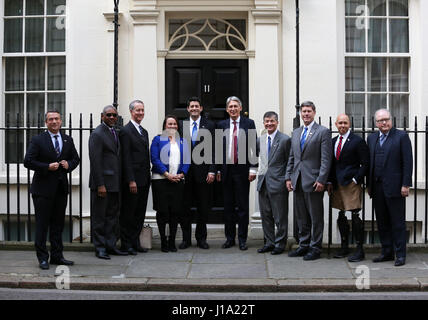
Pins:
x: 426, y: 179
x: 296, y: 120
x: 116, y: 43
x: 364, y: 178
x: 415, y: 171
x: 330, y: 214
x: 8, y: 155
x: 70, y: 187
x: 80, y: 179
x: 18, y: 182
x: 373, y: 211
x: 28, y: 183
x: 90, y: 196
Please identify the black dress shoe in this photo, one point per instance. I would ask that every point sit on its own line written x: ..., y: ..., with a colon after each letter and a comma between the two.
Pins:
x: 44, y: 265
x: 383, y: 258
x: 400, y: 262
x: 141, y: 249
x: 131, y: 251
x: 102, y: 255
x: 184, y: 245
x: 243, y: 246
x: 228, y: 244
x: 342, y: 253
x: 357, y: 256
x: 116, y: 252
x: 203, y: 245
x: 265, y: 249
x: 277, y: 251
x: 312, y: 255
x: 62, y: 262
x: 299, y: 252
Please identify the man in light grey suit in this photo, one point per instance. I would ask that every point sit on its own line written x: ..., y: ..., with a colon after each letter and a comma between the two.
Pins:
x: 273, y: 194
x: 307, y: 174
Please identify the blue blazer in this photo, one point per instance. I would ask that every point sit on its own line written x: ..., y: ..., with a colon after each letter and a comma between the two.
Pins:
x: 160, y: 145
x: 398, y: 164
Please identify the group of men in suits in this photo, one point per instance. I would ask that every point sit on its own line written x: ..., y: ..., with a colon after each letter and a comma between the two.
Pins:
x: 119, y: 181
x: 341, y: 163
x: 308, y: 163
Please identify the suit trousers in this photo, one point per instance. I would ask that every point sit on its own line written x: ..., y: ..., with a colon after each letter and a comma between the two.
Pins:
x: 104, y: 214
x: 391, y: 222
x: 309, y: 208
x: 197, y: 194
x: 132, y: 215
x: 50, y: 214
x: 274, y: 212
x: 236, y: 190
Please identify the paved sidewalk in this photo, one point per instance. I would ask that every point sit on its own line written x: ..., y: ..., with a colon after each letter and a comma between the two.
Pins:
x: 215, y: 270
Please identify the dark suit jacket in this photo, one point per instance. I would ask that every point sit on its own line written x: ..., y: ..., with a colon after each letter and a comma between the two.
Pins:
x: 200, y: 171
x: 40, y: 154
x: 244, y: 125
x: 104, y: 155
x: 135, y: 155
x: 398, y: 164
x: 353, y: 161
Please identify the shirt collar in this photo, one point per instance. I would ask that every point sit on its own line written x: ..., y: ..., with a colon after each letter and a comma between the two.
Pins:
x: 346, y: 135
x: 135, y: 123
x: 272, y: 136
x: 198, y: 121
x: 237, y: 120
x: 54, y: 134
x: 309, y: 126
x: 384, y: 134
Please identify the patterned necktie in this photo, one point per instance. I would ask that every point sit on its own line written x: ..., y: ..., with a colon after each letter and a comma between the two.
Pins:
x: 194, y: 133
x: 303, y: 139
x: 235, y: 143
x: 339, y: 148
x: 114, y: 134
x: 269, y: 145
x: 382, y: 139
x: 141, y: 129
x: 57, y: 150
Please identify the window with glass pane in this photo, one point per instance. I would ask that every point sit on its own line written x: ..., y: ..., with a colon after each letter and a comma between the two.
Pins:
x: 377, y: 31
x: 32, y: 84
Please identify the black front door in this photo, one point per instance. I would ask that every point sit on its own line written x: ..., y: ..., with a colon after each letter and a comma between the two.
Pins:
x: 213, y: 81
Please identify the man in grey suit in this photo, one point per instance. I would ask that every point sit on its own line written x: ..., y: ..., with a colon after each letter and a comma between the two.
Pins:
x: 273, y: 194
x: 105, y: 184
x: 307, y: 174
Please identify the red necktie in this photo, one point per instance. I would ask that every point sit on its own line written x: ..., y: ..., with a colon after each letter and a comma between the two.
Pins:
x: 235, y: 143
x: 339, y: 148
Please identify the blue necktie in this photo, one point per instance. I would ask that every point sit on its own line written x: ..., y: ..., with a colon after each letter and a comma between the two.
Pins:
x: 382, y: 139
x: 194, y: 133
x: 303, y: 139
x: 141, y: 129
x: 58, y: 151
x: 269, y: 145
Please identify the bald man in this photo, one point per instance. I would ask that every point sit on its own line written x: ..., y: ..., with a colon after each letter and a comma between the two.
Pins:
x: 349, y: 166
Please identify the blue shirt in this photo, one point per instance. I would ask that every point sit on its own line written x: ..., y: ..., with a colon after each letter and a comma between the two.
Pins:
x: 59, y: 139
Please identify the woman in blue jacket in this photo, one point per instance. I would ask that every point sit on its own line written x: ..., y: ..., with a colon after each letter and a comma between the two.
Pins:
x: 170, y: 158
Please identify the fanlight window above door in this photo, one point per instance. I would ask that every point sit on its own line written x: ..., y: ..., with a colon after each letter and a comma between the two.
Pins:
x: 207, y: 34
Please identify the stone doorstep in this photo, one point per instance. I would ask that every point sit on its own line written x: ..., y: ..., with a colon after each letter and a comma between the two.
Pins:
x: 219, y: 285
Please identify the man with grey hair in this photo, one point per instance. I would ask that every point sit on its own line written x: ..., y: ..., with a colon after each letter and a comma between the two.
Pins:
x: 236, y: 172
x: 134, y: 141
x: 105, y: 183
x: 273, y: 195
x: 307, y: 174
x: 389, y: 181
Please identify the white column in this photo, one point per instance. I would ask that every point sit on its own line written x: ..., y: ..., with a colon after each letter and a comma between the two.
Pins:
x: 264, y: 86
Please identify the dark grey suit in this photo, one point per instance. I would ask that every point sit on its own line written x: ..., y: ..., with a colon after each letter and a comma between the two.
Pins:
x: 273, y: 194
x: 306, y: 167
x: 104, y: 156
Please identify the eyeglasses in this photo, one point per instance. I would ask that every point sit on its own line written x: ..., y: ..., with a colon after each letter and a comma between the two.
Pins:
x: 383, y: 120
x: 109, y: 115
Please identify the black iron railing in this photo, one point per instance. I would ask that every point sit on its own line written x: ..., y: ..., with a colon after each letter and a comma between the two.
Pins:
x: 16, y: 137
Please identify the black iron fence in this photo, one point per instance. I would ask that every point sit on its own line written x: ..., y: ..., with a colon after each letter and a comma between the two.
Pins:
x: 16, y: 138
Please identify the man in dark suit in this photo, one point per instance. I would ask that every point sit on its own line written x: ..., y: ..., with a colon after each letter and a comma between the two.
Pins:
x: 349, y: 167
x: 389, y: 181
x: 105, y: 183
x: 134, y: 141
x: 239, y: 168
x: 201, y: 175
x: 273, y: 194
x: 307, y: 174
x: 52, y: 156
